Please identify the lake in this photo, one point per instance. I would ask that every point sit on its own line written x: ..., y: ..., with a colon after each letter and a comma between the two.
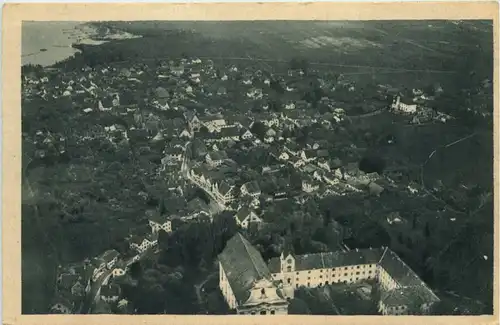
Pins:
x: 55, y: 37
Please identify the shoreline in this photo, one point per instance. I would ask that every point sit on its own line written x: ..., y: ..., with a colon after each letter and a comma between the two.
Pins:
x: 68, y: 40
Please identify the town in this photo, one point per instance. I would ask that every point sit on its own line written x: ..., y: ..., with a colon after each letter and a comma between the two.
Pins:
x: 255, y: 157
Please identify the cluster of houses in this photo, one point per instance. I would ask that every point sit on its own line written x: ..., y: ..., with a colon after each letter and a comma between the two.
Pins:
x: 253, y: 287
x: 201, y: 119
x: 95, y: 283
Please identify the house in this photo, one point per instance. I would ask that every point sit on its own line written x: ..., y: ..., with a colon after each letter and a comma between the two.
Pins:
x: 399, y: 106
x: 175, y: 153
x: 284, y: 156
x: 290, y: 105
x: 323, y: 163
x: 247, y: 135
x: 231, y: 133
x: 141, y: 244
x: 71, y: 283
x: 223, y: 192
x: 309, y: 185
x: 158, y: 222
x: 216, y: 158
x: 119, y: 271
x: 110, y: 293
x: 177, y: 70
x: 193, y: 121
x: 213, y: 124
x: 246, y: 282
x: 110, y: 257
x: 245, y: 217
x: 197, y: 208
x: 251, y: 189
x: 186, y: 134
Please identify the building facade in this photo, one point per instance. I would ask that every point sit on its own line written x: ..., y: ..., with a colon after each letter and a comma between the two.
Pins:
x: 246, y: 283
x: 252, y: 287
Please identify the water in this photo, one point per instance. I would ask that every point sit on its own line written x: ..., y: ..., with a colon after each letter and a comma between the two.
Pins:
x: 54, y: 36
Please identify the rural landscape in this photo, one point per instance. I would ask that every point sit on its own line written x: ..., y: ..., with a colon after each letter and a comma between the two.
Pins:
x: 273, y: 167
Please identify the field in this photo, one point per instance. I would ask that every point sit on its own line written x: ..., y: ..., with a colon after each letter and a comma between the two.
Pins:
x: 390, y: 50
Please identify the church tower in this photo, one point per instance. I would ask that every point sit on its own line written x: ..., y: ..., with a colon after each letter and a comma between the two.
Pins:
x: 287, y: 259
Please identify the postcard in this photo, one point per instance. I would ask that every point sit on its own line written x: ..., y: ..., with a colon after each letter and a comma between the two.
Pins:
x: 248, y: 163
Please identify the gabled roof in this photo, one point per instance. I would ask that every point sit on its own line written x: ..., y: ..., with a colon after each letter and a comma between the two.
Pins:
x: 109, y: 255
x: 252, y: 187
x: 243, y: 213
x: 218, y: 155
x: 225, y: 188
x: 243, y: 266
x: 331, y: 259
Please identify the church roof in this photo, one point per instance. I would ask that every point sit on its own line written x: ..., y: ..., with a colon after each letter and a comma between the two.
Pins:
x: 243, y: 266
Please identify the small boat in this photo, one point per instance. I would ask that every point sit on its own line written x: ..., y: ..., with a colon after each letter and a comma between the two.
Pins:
x: 43, y: 50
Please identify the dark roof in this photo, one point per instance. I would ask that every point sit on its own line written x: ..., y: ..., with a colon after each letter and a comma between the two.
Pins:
x: 197, y: 204
x: 252, y: 187
x: 157, y: 217
x: 243, y: 213
x: 231, y: 131
x: 398, y: 270
x: 109, y: 255
x: 66, y: 281
x: 161, y: 92
x: 243, y: 266
x: 218, y: 155
x: 331, y: 259
x: 413, y: 297
x: 224, y: 188
x: 110, y: 290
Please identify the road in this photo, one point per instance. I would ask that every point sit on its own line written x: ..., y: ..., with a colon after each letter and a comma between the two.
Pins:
x: 94, y: 289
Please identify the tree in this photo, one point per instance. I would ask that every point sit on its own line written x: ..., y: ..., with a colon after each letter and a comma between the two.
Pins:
x: 259, y: 130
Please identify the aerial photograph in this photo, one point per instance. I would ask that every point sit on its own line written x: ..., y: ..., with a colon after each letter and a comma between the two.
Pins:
x: 257, y: 167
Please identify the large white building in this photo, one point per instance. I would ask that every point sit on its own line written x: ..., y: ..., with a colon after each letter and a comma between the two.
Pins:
x: 399, y: 106
x: 402, y: 291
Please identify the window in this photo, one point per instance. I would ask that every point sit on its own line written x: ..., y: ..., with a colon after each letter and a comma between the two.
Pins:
x: 357, y: 267
x: 263, y: 312
x: 326, y: 282
x: 297, y: 279
x: 308, y: 284
x: 289, y: 280
x: 345, y: 268
x: 345, y: 274
x: 289, y: 261
x: 289, y: 268
x: 297, y: 273
x: 296, y: 285
x: 263, y: 291
x: 321, y: 271
x: 308, y: 271
x: 357, y: 279
x: 321, y: 277
x: 253, y: 313
x: 308, y: 278
x: 272, y: 312
x: 357, y: 273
